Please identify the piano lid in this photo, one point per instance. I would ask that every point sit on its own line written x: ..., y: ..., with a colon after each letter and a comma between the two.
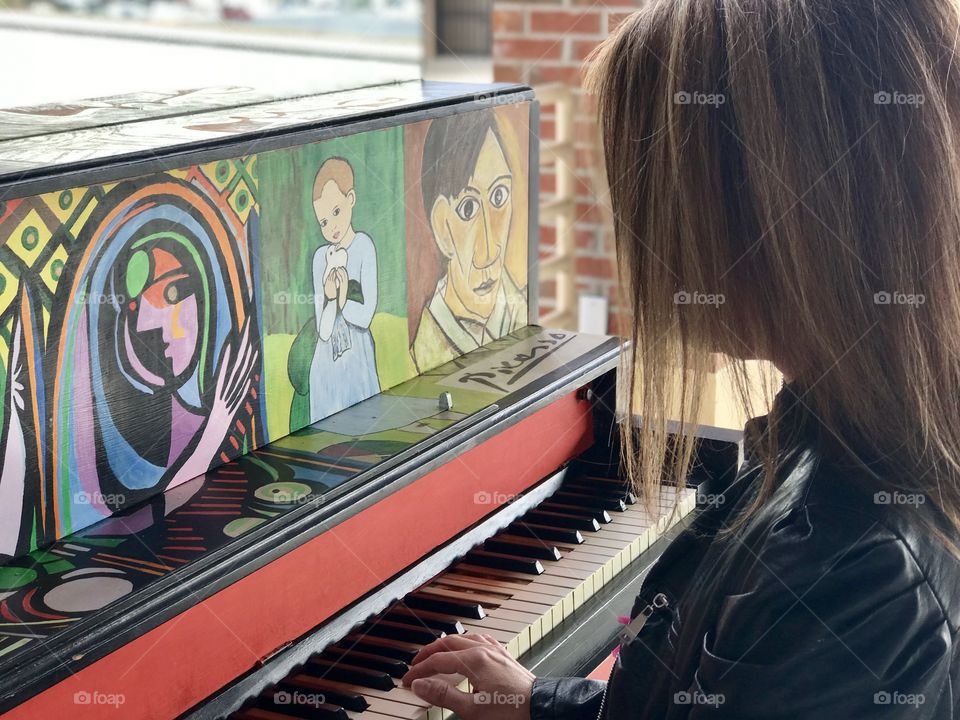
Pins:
x: 48, y: 137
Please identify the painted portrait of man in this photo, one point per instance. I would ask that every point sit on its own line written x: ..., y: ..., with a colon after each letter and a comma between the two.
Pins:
x: 467, y: 185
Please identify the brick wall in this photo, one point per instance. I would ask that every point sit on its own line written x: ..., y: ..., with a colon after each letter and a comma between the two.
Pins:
x: 546, y: 41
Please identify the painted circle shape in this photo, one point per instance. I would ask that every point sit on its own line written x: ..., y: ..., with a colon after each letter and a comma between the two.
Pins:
x: 30, y: 237
x: 283, y: 493
x: 87, y: 593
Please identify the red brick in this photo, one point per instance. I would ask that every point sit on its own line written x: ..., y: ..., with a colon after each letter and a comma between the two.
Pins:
x: 526, y: 49
x: 559, y: 21
x: 548, y: 183
x: 507, y: 73
x: 615, y: 19
x: 567, y: 74
x: 582, y: 49
x: 588, y: 212
x: 586, y: 240
x: 595, y: 267
x: 548, y: 235
x: 548, y: 129
x: 585, y: 158
x: 583, y: 186
x: 507, y: 21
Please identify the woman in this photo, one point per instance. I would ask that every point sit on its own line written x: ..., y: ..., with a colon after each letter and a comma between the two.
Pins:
x: 155, y: 327
x: 799, y: 159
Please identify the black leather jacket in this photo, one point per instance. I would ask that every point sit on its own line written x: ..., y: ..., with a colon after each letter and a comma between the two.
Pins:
x: 834, y: 602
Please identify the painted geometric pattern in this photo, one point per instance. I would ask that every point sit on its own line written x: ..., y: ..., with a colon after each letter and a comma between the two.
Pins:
x: 43, y: 237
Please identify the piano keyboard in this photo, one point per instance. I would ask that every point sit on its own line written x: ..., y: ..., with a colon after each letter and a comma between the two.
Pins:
x: 515, y: 587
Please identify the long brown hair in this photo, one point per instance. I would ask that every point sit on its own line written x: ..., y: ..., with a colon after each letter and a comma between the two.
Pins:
x: 785, y: 184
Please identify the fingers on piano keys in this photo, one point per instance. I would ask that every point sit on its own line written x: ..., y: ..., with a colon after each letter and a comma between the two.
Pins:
x: 516, y: 588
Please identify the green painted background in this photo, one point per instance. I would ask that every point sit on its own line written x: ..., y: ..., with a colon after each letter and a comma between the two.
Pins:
x: 290, y: 236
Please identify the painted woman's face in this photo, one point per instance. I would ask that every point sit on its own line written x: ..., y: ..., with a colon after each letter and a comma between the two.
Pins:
x: 162, y: 328
x: 474, y: 228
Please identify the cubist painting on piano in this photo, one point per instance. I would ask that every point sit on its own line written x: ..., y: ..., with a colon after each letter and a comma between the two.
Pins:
x: 472, y: 222
x: 129, y: 344
x: 154, y: 328
x: 334, y: 297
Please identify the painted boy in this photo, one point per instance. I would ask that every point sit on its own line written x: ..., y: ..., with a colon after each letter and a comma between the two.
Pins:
x: 343, y: 370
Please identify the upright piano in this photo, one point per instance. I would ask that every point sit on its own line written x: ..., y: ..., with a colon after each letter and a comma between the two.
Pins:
x: 276, y: 410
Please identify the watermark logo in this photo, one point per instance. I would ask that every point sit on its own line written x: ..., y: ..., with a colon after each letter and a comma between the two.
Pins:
x: 710, y: 499
x: 499, y: 698
x: 897, y: 297
x: 898, y: 698
x: 698, y: 298
x: 699, y: 698
x: 98, y: 498
x: 898, y: 498
x: 893, y: 97
x: 95, y: 697
x: 493, y: 100
x: 685, y: 97
x: 484, y: 497
x: 287, y: 298
x: 112, y: 299
x: 299, y: 699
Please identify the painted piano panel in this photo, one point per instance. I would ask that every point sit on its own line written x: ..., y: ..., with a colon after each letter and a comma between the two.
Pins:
x: 155, y: 327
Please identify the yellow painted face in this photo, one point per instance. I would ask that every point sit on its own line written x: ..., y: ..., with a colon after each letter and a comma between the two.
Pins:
x: 334, y: 210
x: 472, y: 230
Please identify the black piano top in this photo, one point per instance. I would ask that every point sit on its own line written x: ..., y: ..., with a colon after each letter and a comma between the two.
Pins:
x: 51, y: 596
x: 49, y: 139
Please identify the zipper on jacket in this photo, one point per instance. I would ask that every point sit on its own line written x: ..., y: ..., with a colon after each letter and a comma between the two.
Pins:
x: 630, y: 632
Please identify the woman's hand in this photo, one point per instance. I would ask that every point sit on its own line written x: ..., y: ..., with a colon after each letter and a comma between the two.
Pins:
x: 234, y: 379
x: 501, y: 685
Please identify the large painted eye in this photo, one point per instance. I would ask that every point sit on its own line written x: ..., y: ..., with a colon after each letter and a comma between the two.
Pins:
x: 336, y: 211
x: 468, y: 208
x: 499, y: 196
x: 323, y: 223
x: 172, y: 293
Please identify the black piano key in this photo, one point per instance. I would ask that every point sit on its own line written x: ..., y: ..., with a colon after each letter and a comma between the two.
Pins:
x: 504, y: 561
x: 444, y: 605
x: 444, y: 623
x: 335, y: 670
x: 346, y: 700
x: 600, y: 516
x: 606, y: 489
x: 405, y: 652
x: 546, y: 532
x: 520, y: 545
x: 302, y: 705
x: 563, y: 520
x: 613, y: 504
x: 401, y: 631
x: 623, y: 493
x: 252, y: 712
x: 391, y: 666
